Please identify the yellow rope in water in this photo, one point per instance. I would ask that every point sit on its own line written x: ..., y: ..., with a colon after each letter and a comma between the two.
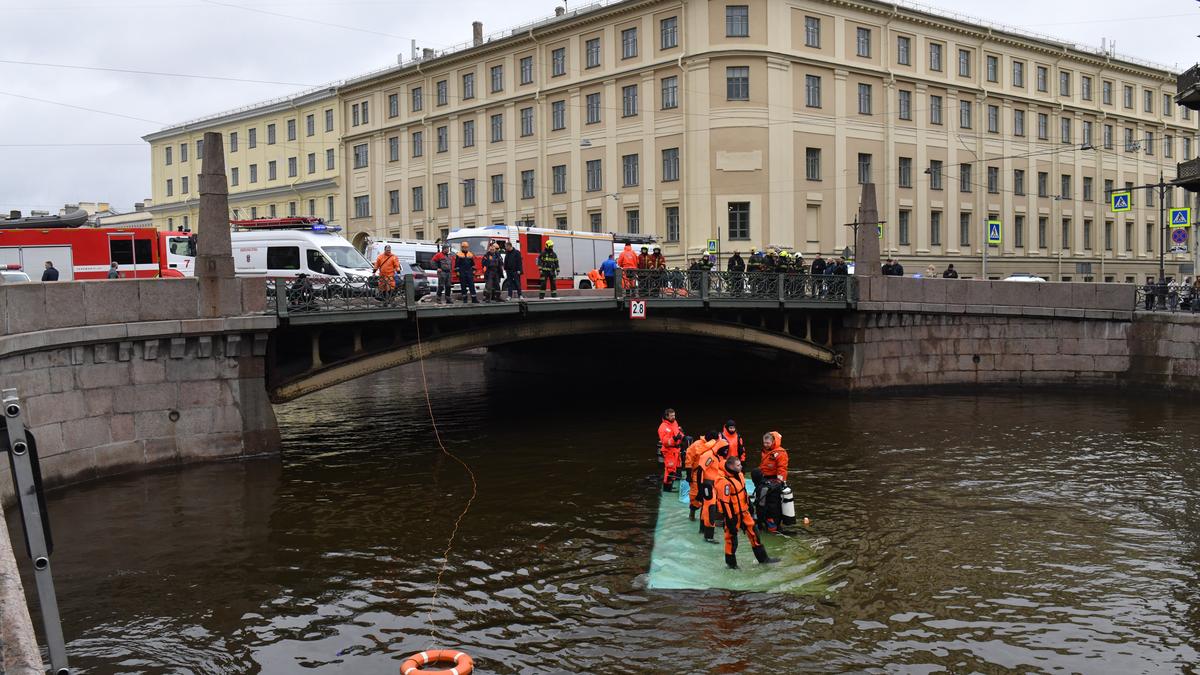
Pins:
x: 474, y: 486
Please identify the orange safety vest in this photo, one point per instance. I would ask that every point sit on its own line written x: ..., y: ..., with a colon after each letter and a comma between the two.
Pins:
x: 735, y: 444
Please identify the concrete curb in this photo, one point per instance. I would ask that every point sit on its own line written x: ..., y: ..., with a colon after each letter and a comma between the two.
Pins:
x: 18, y: 643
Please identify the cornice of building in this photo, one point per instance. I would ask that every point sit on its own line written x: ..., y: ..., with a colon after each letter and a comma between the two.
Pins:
x: 254, y: 110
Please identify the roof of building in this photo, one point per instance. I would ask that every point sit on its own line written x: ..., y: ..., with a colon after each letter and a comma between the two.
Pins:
x: 497, y: 39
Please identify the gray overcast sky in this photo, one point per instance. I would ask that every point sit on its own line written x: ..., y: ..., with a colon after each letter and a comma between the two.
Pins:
x: 310, y: 42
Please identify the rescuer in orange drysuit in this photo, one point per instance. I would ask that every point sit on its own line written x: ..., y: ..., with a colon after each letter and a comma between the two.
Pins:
x: 737, y: 448
x: 386, y: 266
x: 670, y: 438
x: 735, y: 507
x: 711, y: 467
x: 770, y: 478
x: 691, y: 465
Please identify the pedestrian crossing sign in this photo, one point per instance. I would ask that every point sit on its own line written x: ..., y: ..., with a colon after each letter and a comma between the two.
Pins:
x: 1181, y: 217
x: 1119, y: 202
x: 993, y: 232
x: 712, y: 245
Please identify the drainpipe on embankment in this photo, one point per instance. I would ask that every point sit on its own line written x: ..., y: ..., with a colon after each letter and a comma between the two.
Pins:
x: 19, y: 653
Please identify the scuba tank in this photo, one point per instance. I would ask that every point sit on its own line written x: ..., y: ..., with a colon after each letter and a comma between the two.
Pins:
x: 789, y: 506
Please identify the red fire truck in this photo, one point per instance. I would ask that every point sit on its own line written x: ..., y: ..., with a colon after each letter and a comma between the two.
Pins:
x: 80, y: 252
x: 578, y: 252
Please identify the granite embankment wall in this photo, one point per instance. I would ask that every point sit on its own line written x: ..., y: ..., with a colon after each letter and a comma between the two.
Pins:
x: 120, y: 375
x: 930, y: 332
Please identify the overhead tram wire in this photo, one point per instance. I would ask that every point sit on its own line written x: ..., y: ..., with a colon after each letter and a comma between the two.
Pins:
x: 133, y: 71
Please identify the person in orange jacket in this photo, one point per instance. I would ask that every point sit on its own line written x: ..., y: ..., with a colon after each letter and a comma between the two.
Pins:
x: 771, y: 478
x: 711, y: 467
x: 628, y: 260
x: 735, y: 506
x: 736, y: 446
x: 691, y: 461
x: 386, y: 266
x: 670, y: 439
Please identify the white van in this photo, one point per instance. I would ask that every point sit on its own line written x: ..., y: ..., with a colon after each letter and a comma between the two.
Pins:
x: 287, y: 253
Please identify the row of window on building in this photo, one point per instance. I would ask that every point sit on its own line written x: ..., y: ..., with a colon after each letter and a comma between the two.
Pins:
x: 970, y: 225
x: 632, y: 223
x: 630, y: 172
x: 310, y: 129
x: 966, y: 179
x: 235, y: 174
x: 966, y: 60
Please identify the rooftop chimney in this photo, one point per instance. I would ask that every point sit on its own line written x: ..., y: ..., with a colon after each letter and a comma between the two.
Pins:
x: 476, y: 33
x: 14, y: 214
x: 139, y: 206
x: 559, y: 11
x: 427, y: 53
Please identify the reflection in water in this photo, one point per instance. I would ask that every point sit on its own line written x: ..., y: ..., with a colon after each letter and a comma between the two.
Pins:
x: 1037, y: 532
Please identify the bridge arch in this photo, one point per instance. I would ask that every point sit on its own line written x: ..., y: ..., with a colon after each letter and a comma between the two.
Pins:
x: 362, y: 363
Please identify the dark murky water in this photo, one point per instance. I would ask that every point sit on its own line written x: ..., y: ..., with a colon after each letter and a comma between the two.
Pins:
x: 1043, y: 532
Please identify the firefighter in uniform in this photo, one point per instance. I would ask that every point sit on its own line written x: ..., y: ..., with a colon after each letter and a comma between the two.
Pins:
x: 735, y: 507
x: 547, y: 264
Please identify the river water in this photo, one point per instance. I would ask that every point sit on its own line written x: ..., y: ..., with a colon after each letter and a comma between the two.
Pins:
x: 1038, y: 532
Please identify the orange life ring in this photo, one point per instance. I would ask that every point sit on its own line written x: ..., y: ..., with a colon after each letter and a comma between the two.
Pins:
x: 463, y: 665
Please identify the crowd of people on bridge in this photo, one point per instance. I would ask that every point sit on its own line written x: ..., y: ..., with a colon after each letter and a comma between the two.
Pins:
x: 712, y: 466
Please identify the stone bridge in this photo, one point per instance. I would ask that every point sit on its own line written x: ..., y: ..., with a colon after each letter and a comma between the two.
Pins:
x: 119, y: 375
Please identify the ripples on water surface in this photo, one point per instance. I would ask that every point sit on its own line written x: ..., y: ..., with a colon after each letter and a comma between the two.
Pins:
x: 1041, y: 532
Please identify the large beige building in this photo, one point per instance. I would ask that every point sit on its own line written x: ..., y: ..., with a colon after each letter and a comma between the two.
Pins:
x: 755, y: 121
x: 281, y: 158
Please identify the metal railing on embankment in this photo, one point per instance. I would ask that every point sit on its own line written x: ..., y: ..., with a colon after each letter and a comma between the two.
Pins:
x: 1166, y: 298
x: 708, y: 285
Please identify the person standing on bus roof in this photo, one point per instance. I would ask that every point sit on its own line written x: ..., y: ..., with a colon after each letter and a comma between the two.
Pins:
x: 386, y: 265
x: 547, y: 264
x: 514, y: 267
x: 50, y: 274
x: 113, y: 272
x: 464, y: 266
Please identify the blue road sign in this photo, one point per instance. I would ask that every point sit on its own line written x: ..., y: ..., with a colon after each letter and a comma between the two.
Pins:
x: 1181, y: 217
x: 993, y: 232
x: 1119, y: 201
x: 1179, y: 236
